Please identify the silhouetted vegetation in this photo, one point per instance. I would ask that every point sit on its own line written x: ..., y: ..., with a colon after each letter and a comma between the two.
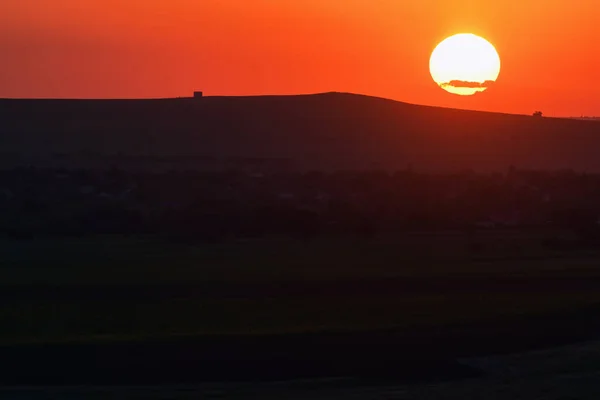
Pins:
x: 210, y: 206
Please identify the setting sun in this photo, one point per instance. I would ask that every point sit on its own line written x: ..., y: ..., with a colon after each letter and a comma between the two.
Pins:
x: 464, y: 64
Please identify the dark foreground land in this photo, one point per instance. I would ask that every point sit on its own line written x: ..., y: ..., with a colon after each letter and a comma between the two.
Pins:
x: 388, y: 310
x: 369, y: 357
x: 259, y: 240
x: 182, y: 278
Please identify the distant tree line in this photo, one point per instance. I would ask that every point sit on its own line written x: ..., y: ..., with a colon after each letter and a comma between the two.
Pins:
x: 210, y: 206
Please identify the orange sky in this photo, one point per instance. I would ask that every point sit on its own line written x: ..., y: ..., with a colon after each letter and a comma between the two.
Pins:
x: 550, y: 49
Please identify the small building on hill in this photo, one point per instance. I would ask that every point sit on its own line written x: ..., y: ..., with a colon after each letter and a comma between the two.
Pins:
x: 198, y: 95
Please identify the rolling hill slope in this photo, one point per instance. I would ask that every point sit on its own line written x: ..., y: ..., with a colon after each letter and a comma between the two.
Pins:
x: 324, y: 131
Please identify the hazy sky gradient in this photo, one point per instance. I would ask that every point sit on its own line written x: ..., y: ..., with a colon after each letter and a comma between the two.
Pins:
x: 158, y: 48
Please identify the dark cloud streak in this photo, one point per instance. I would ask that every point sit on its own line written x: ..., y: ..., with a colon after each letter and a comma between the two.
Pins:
x: 467, y: 84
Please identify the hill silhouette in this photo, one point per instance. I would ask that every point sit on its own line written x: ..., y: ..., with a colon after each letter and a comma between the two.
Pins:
x: 322, y: 131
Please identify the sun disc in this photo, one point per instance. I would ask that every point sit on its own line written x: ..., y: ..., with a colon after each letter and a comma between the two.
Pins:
x: 464, y: 64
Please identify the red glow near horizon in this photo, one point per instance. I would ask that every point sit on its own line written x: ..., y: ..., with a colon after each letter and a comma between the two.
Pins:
x: 153, y: 48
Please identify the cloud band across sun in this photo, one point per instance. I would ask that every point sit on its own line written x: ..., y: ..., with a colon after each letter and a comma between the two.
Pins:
x: 466, y: 87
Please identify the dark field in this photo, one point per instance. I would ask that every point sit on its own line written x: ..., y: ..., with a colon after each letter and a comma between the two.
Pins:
x: 283, y: 309
x: 105, y: 287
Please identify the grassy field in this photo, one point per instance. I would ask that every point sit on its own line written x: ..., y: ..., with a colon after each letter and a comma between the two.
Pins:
x: 150, y: 260
x: 110, y: 288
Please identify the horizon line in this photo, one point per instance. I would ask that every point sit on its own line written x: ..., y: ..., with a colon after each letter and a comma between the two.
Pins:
x: 191, y: 97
